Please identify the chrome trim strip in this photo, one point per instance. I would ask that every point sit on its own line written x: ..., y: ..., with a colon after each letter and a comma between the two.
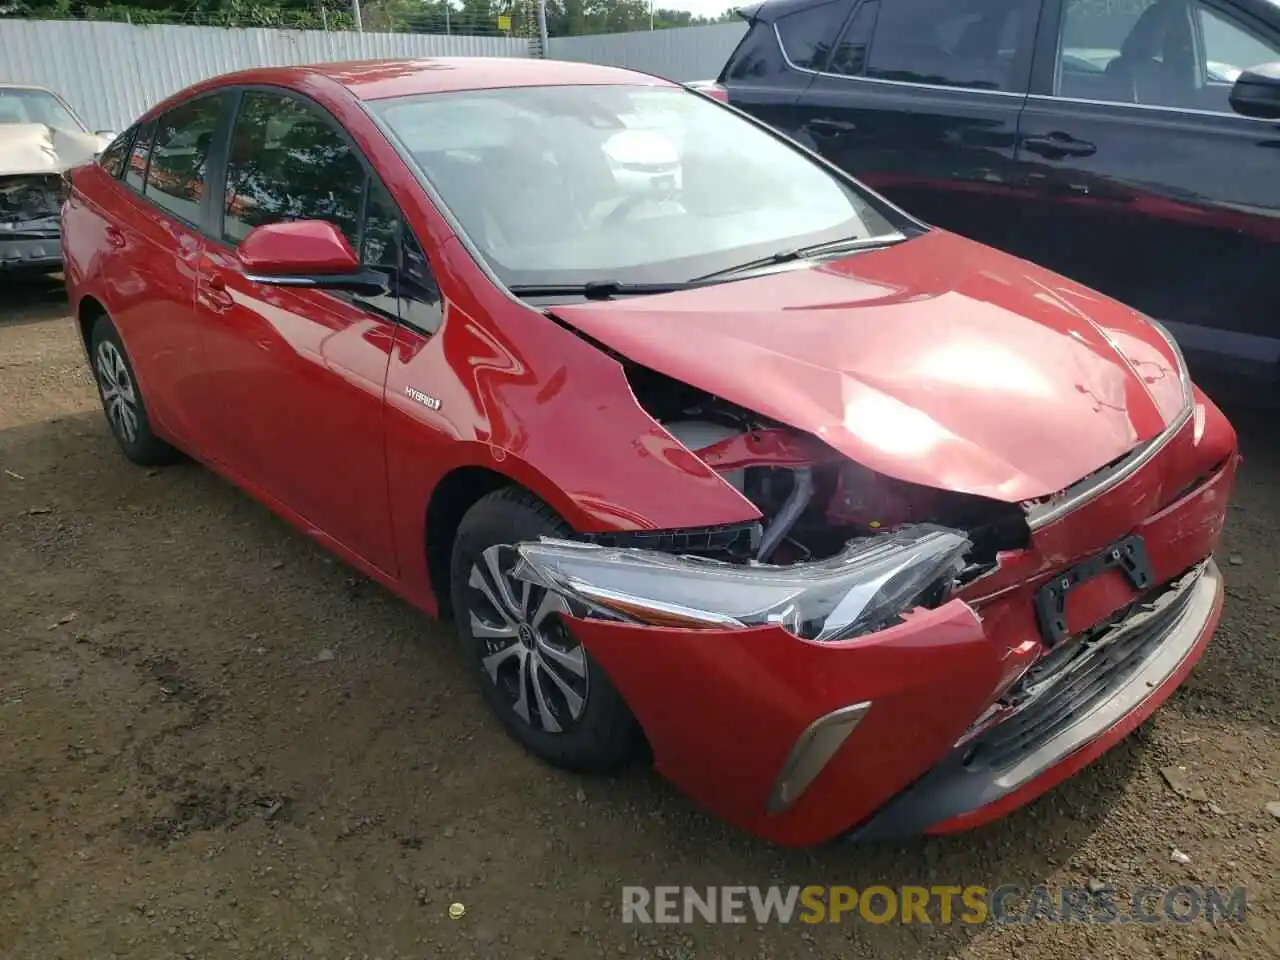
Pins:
x: 892, y: 83
x: 1024, y: 95
x: 1053, y: 98
x: 1090, y: 490
x: 813, y: 749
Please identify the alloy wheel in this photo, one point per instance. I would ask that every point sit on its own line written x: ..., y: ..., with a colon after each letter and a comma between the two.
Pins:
x: 119, y: 395
x: 529, y: 654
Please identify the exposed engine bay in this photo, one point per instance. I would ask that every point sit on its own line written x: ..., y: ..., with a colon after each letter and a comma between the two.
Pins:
x: 814, y: 500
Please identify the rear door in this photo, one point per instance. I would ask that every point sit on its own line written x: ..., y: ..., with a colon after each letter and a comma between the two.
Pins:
x: 297, y: 376
x: 156, y: 238
x: 920, y: 100
x: 1144, y: 183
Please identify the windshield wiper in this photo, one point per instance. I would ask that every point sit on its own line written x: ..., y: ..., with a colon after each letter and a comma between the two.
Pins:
x: 843, y: 245
x: 597, y: 289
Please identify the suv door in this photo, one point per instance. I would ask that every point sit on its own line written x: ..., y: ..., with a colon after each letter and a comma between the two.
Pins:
x: 1144, y: 183
x: 920, y: 100
x: 299, y: 374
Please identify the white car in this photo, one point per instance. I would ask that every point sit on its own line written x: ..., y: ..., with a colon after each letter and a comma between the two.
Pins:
x: 40, y: 137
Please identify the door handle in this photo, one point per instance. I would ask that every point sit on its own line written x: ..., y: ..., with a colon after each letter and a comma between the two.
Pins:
x: 831, y: 128
x: 215, y: 295
x: 1058, y: 145
x: 115, y: 237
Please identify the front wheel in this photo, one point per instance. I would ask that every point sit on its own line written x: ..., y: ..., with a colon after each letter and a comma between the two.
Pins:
x: 547, y: 690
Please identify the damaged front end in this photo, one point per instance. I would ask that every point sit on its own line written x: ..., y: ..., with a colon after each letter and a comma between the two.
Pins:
x: 798, y: 674
x: 30, y: 234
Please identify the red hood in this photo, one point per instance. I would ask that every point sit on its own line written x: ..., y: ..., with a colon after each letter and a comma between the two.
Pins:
x: 937, y: 361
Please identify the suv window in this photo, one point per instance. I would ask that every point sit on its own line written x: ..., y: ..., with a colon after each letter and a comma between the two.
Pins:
x: 850, y: 56
x: 136, y: 170
x: 113, y: 158
x: 289, y: 162
x: 951, y: 43
x: 807, y: 36
x: 1145, y: 52
x: 176, y: 175
x: 1230, y: 48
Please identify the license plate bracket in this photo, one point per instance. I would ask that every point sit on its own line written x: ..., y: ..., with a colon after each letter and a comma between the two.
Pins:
x: 1129, y: 556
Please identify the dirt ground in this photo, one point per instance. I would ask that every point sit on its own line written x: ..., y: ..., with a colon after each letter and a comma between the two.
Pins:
x: 215, y: 741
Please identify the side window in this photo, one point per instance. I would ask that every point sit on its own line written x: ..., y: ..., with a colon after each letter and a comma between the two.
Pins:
x: 388, y: 243
x: 176, y: 176
x: 951, y: 43
x: 288, y: 162
x: 113, y: 158
x: 381, y: 228
x: 1230, y: 48
x: 420, y: 306
x: 808, y: 35
x: 1144, y: 52
x: 755, y: 55
x: 850, y: 56
x: 136, y: 170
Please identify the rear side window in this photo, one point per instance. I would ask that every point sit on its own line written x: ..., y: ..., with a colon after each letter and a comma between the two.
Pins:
x: 135, y: 173
x: 113, y: 158
x: 289, y: 162
x: 176, y: 175
x: 951, y: 43
x: 755, y: 57
x: 808, y: 36
x: 850, y: 55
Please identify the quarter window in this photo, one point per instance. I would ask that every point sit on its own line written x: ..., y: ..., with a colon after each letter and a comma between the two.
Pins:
x: 176, y: 175
x: 113, y: 158
x: 136, y: 171
x: 1230, y: 48
x: 808, y: 35
x: 287, y: 162
x: 952, y: 43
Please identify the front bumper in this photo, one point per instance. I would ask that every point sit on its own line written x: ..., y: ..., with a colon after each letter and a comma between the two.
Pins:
x: 43, y: 253
x: 726, y: 710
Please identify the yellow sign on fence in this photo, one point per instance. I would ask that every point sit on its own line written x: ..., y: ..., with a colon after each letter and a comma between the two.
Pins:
x: 504, y: 22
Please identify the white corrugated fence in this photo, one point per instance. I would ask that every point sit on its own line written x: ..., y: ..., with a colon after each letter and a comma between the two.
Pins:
x: 111, y: 72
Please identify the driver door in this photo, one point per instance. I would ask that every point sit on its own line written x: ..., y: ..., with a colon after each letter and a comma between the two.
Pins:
x: 299, y: 374
x: 1143, y: 183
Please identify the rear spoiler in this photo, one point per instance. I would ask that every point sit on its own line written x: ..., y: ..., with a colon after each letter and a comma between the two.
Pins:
x: 748, y: 13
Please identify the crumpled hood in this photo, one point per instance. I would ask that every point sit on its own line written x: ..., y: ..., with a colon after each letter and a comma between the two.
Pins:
x: 937, y: 361
x: 38, y: 148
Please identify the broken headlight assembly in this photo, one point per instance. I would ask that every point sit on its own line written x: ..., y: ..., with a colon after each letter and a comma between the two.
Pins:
x: 864, y: 588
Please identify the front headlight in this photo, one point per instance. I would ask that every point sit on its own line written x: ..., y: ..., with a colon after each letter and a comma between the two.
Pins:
x: 866, y: 587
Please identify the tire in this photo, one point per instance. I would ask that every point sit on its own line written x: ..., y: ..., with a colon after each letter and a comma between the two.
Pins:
x: 601, y: 734
x: 122, y: 400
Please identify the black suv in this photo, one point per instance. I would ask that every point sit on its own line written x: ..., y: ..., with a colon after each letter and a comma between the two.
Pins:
x: 1132, y: 145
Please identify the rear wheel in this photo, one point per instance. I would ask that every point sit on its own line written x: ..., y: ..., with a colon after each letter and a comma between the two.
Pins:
x: 549, y: 692
x: 122, y: 398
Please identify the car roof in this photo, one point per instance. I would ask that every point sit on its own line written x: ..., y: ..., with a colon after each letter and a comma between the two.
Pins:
x: 25, y: 86
x: 380, y: 79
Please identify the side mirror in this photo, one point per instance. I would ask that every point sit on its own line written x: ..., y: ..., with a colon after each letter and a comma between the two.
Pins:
x: 107, y: 135
x: 1256, y: 92
x: 306, y: 253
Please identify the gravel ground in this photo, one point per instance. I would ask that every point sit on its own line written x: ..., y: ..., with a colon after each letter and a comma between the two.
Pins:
x: 216, y: 741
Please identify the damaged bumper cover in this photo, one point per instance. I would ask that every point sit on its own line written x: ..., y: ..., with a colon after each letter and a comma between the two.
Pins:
x: 30, y: 231
x: 859, y: 696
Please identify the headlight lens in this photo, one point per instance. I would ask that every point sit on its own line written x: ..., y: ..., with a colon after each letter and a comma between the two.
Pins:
x: 864, y: 588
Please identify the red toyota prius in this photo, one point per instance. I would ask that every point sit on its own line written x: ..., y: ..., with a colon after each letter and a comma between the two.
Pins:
x: 859, y: 527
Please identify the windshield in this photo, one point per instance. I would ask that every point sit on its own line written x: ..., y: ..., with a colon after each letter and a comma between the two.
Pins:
x: 635, y: 184
x: 36, y: 106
